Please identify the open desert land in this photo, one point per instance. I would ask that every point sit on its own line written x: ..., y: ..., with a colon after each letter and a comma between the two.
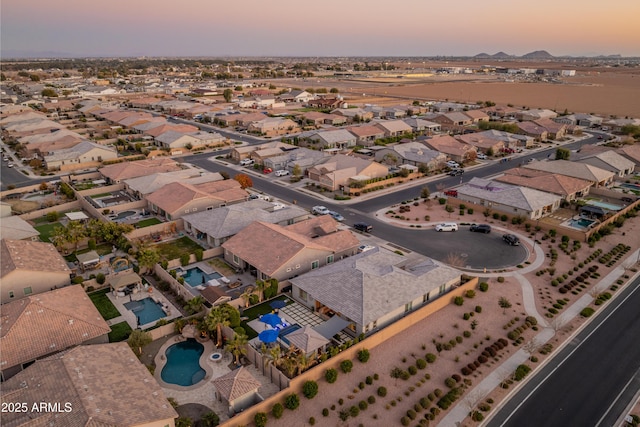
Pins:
x: 462, y: 338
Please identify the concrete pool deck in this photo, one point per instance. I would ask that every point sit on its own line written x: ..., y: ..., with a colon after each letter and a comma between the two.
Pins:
x: 128, y: 315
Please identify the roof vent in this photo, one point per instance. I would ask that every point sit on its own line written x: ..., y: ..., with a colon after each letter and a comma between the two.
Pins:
x: 23, y: 384
x: 71, y: 321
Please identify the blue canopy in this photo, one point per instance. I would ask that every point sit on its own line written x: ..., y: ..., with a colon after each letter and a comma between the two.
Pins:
x: 268, y: 336
x: 271, y: 319
x: 277, y: 304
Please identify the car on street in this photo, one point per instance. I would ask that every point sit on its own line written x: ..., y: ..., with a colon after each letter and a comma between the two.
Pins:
x: 282, y: 172
x: 480, y: 228
x: 456, y: 172
x: 246, y: 162
x: 481, y: 156
x: 447, y: 226
x: 363, y: 226
x: 335, y: 215
x: 10, y: 165
x: 511, y: 239
x: 452, y: 164
x: 320, y: 210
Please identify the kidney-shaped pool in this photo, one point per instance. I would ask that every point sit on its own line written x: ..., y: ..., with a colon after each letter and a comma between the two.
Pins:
x: 183, y: 363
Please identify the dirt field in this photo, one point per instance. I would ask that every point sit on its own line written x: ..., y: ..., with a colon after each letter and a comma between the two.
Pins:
x: 493, y: 323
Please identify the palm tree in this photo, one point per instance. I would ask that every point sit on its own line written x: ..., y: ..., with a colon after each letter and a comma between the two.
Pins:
x: 139, y: 339
x: 290, y: 366
x: 246, y: 297
x: 275, y: 355
x: 194, y: 305
x: 260, y: 287
x: 216, y: 319
x: 75, y: 232
x: 303, y: 361
x: 237, y: 346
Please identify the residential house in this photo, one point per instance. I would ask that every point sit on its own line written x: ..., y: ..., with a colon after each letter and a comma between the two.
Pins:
x: 536, y: 131
x: 422, y: 127
x: 535, y: 114
x: 616, y: 125
x: 95, y: 385
x: 631, y: 152
x: 308, y: 340
x: 273, y: 126
x: 477, y: 116
x: 300, y: 156
x: 238, y: 389
x: 510, y: 199
x: 454, y: 150
x: 596, y: 176
x: 296, y: 96
x: 336, y: 172
x: 177, y: 199
x: 411, y: 153
x: 366, y: 135
x: 580, y: 119
x: 610, y: 161
x: 393, y: 128
x: 118, y: 172
x: 318, y: 119
x: 454, y: 121
x: 331, y: 139
x: 174, y: 140
x: 13, y: 227
x: 567, y: 187
x: 483, y: 142
x: 273, y: 251
x: 247, y: 151
x: 373, y: 289
x: 502, y: 112
x: 31, y: 127
x: 328, y: 103
x: 159, y: 130
x: 84, y: 155
x: 554, y: 129
x: 41, y: 325
x: 29, y: 267
x: 356, y: 115
x: 214, y: 227
x: 142, y: 186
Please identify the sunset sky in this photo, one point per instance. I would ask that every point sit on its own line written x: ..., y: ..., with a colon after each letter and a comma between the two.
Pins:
x: 321, y: 28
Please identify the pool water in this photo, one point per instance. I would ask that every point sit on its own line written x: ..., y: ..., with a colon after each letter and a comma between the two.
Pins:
x: 581, y: 223
x: 603, y: 205
x: 125, y: 214
x: 146, y: 310
x: 183, y: 363
x: 630, y: 186
x: 196, y: 276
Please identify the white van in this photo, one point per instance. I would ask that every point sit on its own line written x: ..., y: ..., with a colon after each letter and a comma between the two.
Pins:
x: 447, y: 226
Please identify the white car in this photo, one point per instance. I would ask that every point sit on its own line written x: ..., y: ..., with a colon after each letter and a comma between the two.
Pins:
x: 447, y: 226
x: 452, y: 164
x: 481, y: 156
x: 246, y: 162
x: 10, y: 165
x: 365, y: 248
x: 282, y: 172
x: 319, y: 210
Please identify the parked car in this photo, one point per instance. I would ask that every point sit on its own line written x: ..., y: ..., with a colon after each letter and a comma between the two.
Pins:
x: 456, y: 172
x: 447, y: 226
x: 246, y: 162
x: 363, y: 226
x: 452, y: 164
x: 282, y: 172
x: 335, y: 215
x: 481, y: 156
x: 10, y: 165
x: 365, y: 248
x: 480, y: 228
x: 260, y: 196
x: 320, y: 210
x: 267, y: 170
x: 452, y: 193
x: 511, y: 239
x: 628, y: 199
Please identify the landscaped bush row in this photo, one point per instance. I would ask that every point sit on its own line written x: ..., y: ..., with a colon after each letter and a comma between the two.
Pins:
x: 529, y: 321
x: 490, y: 351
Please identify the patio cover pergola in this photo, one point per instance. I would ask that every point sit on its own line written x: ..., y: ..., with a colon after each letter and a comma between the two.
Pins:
x: 331, y: 327
x: 76, y: 216
x: 123, y: 280
x: 88, y: 259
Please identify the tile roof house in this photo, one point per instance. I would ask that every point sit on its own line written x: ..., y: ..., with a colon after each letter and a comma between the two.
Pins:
x: 338, y: 171
x: 15, y: 228
x: 450, y: 146
x: 535, y: 114
x: 40, y: 325
x: 412, y: 153
x: 483, y: 140
x: 142, y: 186
x: 631, y: 152
x: 246, y: 152
x: 273, y: 126
x: 303, y: 157
x: 422, y: 126
x: 238, y: 388
x: 296, y: 96
x: 533, y: 130
x: 354, y: 114
x: 367, y: 134
x: 83, y: 155
x: 373, y: 289
x: 331, y: 103
x: 477, y: 115
x: 567, y: 187
x: 511, y: 199
x: 579, y: 119
x: 393, y: 127
x: 610, y: 161
x: 173, y: 139
x: 98, y: 385
x: 307, y: 340
x: 274, y: 251
x: 597, y: 176
x: 177, y: 199
x: 30, y: 268
x: 484, y: 143
x: 554, y: 129
x: 218, y: 225
x: 454, y: 120
x: 126, y: 170
x: 339, y: 138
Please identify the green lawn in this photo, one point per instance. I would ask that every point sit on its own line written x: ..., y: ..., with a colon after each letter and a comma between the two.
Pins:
x: 104, y: 305
x: 103, y: 249
x: 97, y: 196
x: 256, y: 311
x: 119, y: 332
x: 175, y: 248
x: 46, y: 230
x: 148, y: 222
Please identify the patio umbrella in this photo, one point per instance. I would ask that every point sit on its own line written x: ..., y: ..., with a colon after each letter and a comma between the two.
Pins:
x: 277, y: 304
x: 268, y: 336
x: 271, y: 319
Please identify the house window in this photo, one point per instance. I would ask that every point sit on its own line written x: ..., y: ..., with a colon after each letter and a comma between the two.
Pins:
x: 302, y: 294
x: 329, y: 259
x: 315, y: 264
x: 195, y: 209
x: 186, y: 211
x: 442, y: 289
x: 236, y: 260
x: 10, y: 294
x: 209, y: 208
x: 425, y: 298
x: 408, y: 306
x: 28, y: 291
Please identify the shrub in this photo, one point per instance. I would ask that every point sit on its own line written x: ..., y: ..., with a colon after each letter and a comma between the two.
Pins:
x: 363, y: 355
x: 354, y: 411
x: 312, y: 421
x: 421, y: 363
x: 277, y: 411
x: 260, y: 419
x: 310, y: 389
x: 587, y: 312
x: 483, y: 286
x: 382, y: 391
x: 292, y: 401
x: 430, y: 357
x: 458, y: 300
x: 450, y: 382
x: 412, y: 414
x: 346, y: 366
x: 331, y: 375
x: 521, y: 372
x: 100, y: 278
x: 500, y: 279
x: 405, y: 421
x: 325, y: 412
x: 371, y: 400
x: 369, y: 380
x: 478, y: 309
x: 413, y: 370
x: 363, y: 405
x: 470, y: 293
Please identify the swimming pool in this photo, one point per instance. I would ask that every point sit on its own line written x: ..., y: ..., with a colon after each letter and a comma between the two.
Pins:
x: 146, y: 310
x: 630, y: 186
x: 581, y: 223
x: 196, y: 276
x: 183, y: 363
x: 603, y: 205
x: 125, y: 214
x: 286, y: 331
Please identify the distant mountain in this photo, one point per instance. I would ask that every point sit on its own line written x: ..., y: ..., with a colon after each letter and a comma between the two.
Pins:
x: 482, y: 56
x: 538, y: 54
x: 501, y: 55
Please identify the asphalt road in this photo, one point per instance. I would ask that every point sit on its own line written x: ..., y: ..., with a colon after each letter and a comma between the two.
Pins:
x: 592, y: 380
